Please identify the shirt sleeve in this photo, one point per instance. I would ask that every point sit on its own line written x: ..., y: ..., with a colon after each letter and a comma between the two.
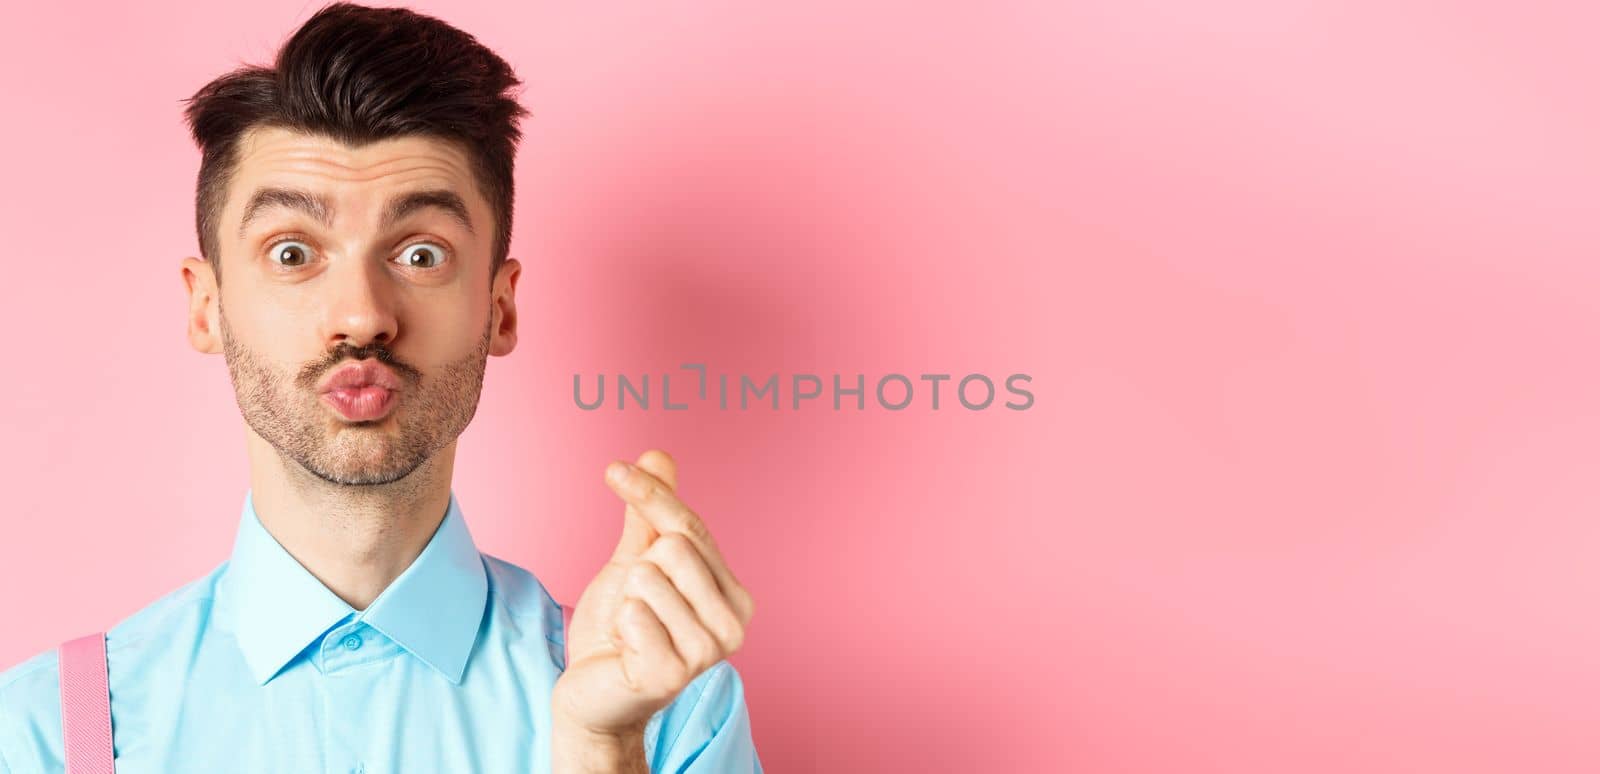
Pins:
x: 710, y: 733
x: 5, y: 768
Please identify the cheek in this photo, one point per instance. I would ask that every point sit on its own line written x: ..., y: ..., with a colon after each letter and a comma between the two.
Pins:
x: 270, y: 334
x: 272, y: 337
x: 448, y: 334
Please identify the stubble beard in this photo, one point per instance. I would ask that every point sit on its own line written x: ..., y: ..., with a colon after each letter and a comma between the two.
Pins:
x: 286, y: 411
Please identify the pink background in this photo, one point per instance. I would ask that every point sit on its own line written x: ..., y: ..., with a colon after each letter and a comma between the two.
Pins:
x: 1307, y: 291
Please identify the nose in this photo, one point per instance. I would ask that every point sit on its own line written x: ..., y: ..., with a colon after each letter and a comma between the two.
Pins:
x: 359, y: 305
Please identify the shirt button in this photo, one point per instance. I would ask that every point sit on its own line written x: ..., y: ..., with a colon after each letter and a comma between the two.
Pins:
x: 352, y: 642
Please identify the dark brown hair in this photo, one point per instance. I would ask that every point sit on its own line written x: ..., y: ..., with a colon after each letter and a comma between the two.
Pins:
x: 359, y: 74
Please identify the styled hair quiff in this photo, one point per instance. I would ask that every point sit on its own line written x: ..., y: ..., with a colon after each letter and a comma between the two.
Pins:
x: 359, y: 74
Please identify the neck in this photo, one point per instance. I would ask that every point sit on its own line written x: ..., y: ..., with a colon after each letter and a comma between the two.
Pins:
x: 355, y: 539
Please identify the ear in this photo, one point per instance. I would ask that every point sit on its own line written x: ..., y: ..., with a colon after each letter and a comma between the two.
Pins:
x: 503, y: 308
x: 201, y: 283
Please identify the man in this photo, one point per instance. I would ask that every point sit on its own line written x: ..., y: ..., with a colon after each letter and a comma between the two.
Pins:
x: 354, y: 214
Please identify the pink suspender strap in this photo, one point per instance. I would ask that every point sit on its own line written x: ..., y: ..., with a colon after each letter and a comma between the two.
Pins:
x: 566, y: 634
x: 86, y: 705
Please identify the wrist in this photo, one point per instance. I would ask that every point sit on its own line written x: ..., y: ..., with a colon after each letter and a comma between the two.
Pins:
x: 576, y: 749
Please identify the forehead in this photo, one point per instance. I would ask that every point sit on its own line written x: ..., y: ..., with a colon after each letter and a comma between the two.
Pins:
x: 355, y: 179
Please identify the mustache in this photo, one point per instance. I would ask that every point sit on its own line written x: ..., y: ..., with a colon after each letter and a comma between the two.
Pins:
x: 312, y: 373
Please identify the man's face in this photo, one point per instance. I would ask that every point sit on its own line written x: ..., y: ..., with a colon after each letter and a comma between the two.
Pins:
x: 310, y: 287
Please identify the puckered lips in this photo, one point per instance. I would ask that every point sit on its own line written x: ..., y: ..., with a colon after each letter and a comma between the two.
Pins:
x: 361, y: 391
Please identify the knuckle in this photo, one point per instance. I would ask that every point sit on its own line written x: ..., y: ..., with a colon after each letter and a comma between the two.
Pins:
x: 676, y: 674
x: 675, y: 546
x: 638, y: 574
x: 630, y: 611
x: 746, y: 604
x: 732, y: 635
x: 704, y: 652
x: 693, y: 526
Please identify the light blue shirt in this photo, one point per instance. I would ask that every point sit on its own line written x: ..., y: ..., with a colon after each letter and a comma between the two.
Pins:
x: 258, y: 667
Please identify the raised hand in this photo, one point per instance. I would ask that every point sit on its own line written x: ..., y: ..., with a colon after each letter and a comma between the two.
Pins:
x: 664, y: 609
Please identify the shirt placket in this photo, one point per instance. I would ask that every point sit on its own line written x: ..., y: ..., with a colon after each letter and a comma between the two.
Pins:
x: 345, y: 659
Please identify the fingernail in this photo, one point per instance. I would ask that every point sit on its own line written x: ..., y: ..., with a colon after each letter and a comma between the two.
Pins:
x: 617, y: 471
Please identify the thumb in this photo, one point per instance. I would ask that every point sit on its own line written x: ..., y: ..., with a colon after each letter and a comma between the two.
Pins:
x: 637, y: 533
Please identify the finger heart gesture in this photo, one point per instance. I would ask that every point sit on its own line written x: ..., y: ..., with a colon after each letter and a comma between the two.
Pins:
x: 663, y: 610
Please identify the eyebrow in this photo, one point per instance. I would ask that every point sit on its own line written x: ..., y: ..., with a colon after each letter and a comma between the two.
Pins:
x: 317, y: 207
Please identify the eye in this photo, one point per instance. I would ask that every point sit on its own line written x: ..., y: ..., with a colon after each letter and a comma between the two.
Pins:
x: 422, y: 255
x: 290, y: 252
